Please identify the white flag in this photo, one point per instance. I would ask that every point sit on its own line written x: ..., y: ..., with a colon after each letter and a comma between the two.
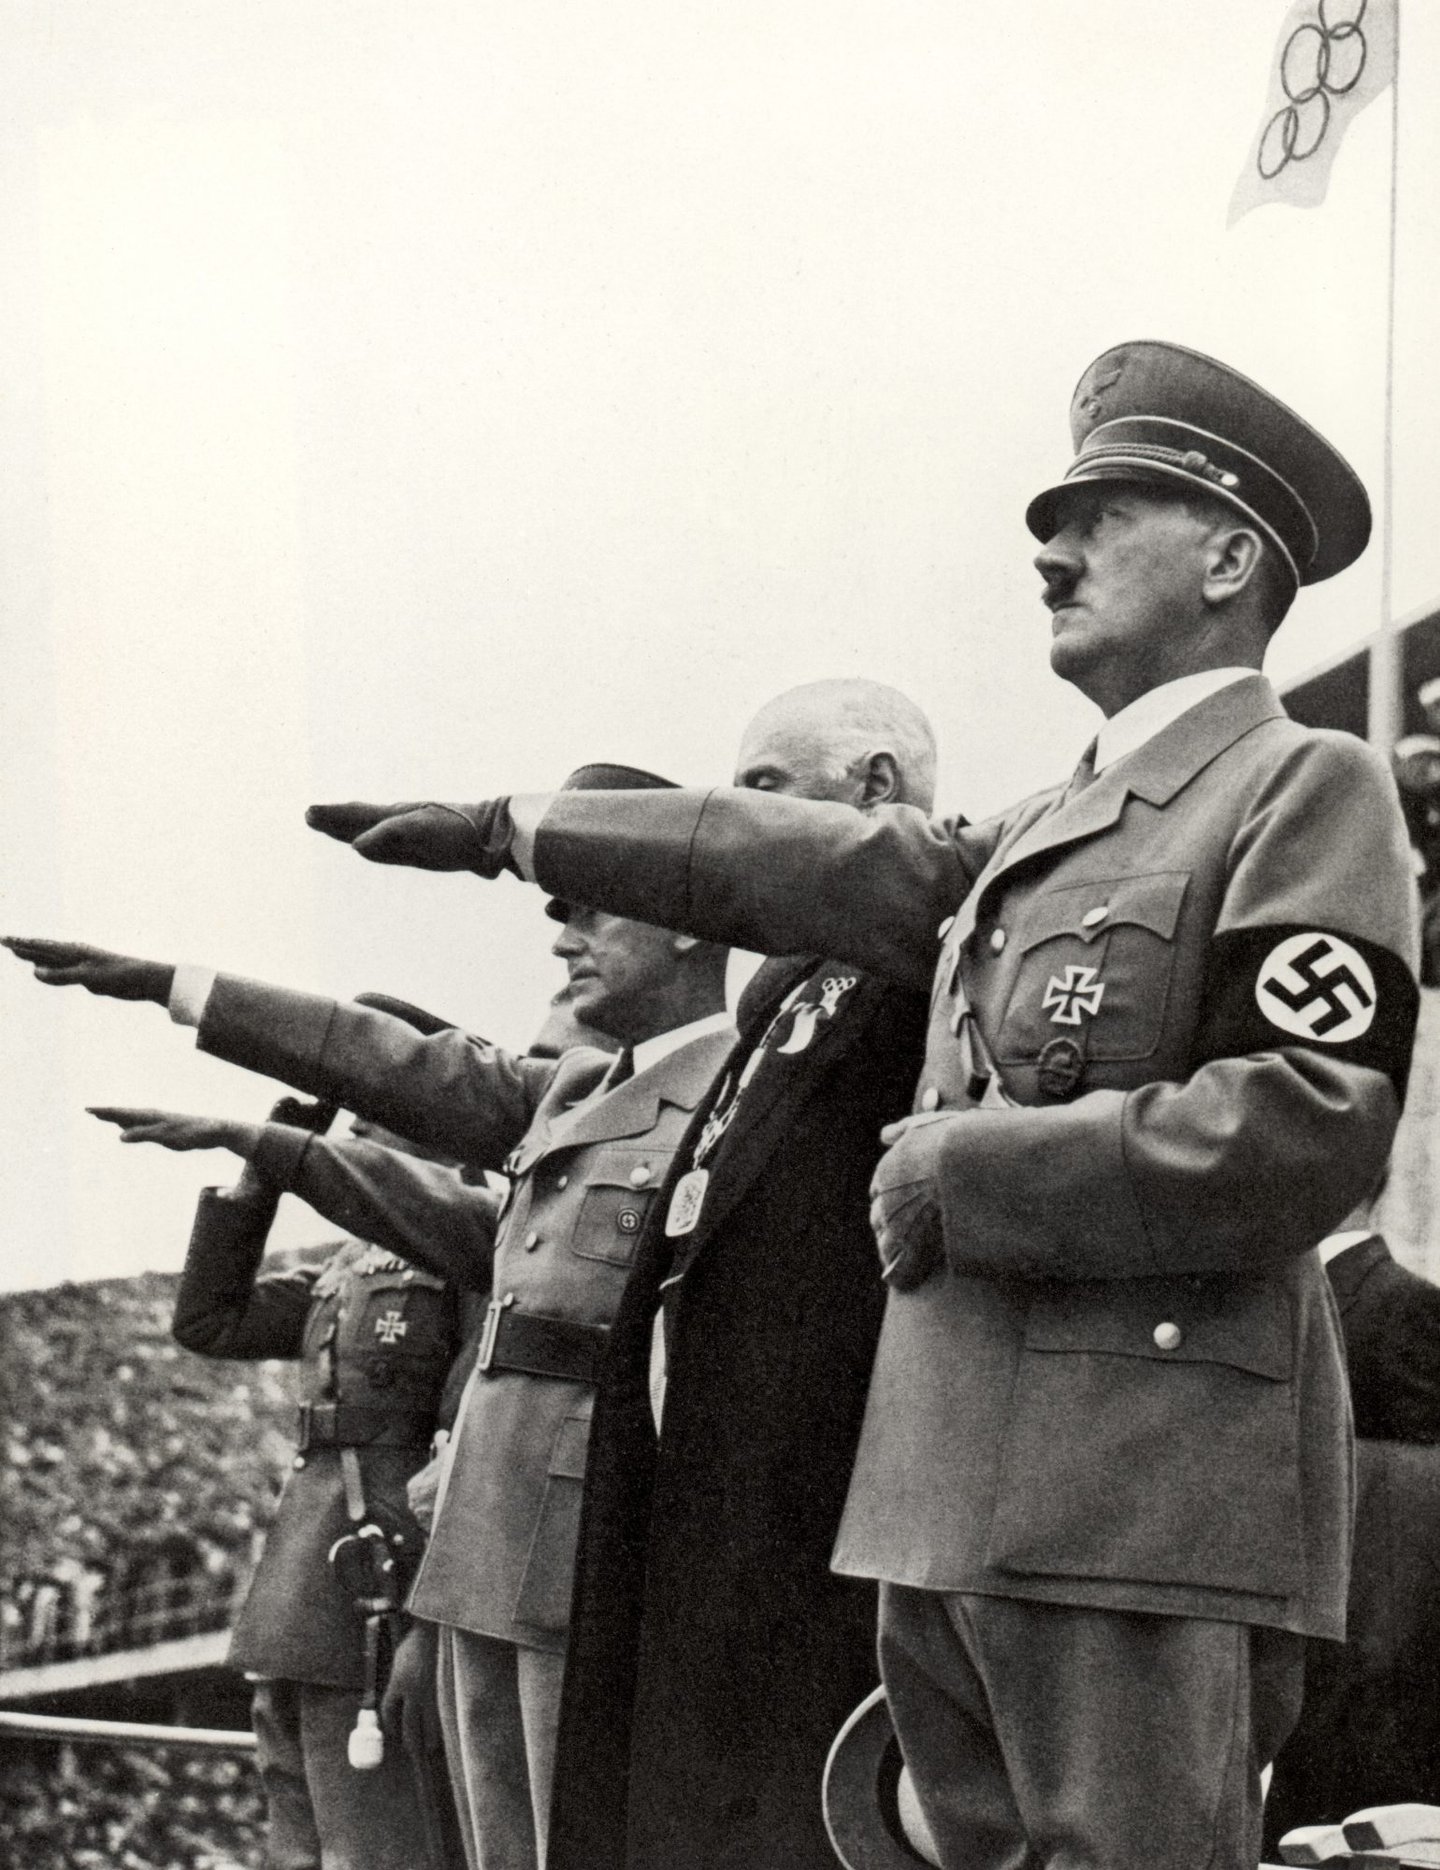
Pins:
x: 1332, y: 58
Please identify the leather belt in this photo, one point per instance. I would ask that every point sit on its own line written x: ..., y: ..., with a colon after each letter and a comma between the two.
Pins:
x: 355, y: 1425
x: 539, y: 1346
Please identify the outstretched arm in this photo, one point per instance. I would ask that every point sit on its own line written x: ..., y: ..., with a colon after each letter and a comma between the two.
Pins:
x: 421, y: 1211
x: 777, y: 874
x: 454, y: 1094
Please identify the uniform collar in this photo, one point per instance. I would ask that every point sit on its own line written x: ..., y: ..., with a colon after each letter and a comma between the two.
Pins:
x: 648, y: 1052
x: 1334, y: 1244
x: 1144, y: 717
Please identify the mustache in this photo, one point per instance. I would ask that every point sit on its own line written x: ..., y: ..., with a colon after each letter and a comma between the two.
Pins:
x: 1059, y: 589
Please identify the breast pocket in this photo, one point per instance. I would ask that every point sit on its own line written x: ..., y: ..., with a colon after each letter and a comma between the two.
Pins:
x: 1096, y: 961
x: 620, y: 1186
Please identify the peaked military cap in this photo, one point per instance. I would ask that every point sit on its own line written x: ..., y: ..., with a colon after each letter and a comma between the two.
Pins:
x: 1164, y: 415
x: 600, y: 776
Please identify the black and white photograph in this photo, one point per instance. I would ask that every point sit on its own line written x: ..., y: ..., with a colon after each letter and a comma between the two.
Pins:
x: 719, y: 935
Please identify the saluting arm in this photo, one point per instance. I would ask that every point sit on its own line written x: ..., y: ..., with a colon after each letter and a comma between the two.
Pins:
x: 756, y: 869
x: 420, y: 1210
x: 454, y: 1094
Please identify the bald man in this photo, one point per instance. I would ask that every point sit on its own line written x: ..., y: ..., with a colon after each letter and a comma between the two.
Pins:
x: 714, y: 1655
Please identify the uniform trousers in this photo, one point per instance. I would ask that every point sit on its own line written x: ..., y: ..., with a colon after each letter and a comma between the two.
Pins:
x: 500, y: 1712
x: 324, y: 1815
x: 1077, y: 1739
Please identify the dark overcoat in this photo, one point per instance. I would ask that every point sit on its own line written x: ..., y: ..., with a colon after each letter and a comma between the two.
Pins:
x: 713, y: 1654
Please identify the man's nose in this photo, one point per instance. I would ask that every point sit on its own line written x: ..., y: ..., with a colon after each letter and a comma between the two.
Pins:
x: 568, y: 943
x: 1059, y: 558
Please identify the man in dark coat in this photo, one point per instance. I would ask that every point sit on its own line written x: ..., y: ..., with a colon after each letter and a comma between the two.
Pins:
x: 1369, y: 1730
x: 713, y: 1654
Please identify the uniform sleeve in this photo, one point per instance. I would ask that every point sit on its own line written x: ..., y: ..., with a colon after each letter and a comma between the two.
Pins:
x: 771, y: 873
x: 449, y: 1092
x: 1301, y: 1049
x: 221, y: 1308
x: 421, y: 1211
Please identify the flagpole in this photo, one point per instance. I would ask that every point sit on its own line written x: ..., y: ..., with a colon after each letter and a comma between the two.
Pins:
x: 1386, y: 710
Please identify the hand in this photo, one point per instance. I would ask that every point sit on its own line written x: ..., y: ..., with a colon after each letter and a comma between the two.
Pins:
x: 424, y: 836
x: 904, y: 1206
x: 73, y: 964
x: 422, y: 1488
x: 408, y: 1707
x: 301, y: 1114
x: 174, y: 1131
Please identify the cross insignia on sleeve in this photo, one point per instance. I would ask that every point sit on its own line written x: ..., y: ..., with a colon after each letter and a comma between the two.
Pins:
x: 1080, y: 991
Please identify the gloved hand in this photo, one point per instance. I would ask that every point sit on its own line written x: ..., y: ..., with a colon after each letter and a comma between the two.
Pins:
x: 409, y: 1708
x: 422, y: 1489
x: 904, y: 1202
x: 424, y: 835
x: 73, y: 964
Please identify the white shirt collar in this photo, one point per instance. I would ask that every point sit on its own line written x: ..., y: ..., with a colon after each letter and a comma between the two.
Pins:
x: 1334, y: 1244
x: 650, y: 1051
x: 1141, y: 719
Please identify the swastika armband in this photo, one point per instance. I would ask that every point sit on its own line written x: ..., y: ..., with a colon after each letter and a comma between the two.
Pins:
x: 1291, y: 984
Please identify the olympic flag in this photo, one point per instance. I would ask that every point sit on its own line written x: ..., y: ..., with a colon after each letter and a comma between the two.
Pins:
x: 1331, y: 59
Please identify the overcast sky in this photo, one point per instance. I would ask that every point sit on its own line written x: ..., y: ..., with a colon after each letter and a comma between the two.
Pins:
x: 415, y: 400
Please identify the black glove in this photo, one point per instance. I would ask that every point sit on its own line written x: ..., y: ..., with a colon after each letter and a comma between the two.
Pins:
x: 425, y: 836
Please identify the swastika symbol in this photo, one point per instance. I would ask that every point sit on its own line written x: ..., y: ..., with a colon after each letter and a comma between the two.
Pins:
x: 1081, y: 991
x: 1317, y: 987
x: 390, y: 1327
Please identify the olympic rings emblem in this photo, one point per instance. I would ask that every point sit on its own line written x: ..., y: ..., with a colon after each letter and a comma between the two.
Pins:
x: 1321, y: 60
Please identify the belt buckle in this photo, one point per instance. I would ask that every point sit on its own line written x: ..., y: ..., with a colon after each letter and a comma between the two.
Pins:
x: 494, y: 1312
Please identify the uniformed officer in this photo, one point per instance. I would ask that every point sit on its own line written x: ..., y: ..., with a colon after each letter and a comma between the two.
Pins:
x: 376, y: 1339
x: 587, y: 1140
x: 1105, y: 1472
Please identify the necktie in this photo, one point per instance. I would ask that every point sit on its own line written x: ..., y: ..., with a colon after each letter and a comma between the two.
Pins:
x: 621, y: 1070
x: 1083, y: 776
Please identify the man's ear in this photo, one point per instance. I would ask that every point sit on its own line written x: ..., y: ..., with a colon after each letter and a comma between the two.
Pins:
x: 882, y: 779
x: 1232, y: 558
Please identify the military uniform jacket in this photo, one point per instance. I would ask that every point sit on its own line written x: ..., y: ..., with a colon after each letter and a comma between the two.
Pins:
x: 713, y: 1656
x: 1391, y: 1321
x: 1197, y: 978
x: 501, y: 1555
x: 370, y: 1332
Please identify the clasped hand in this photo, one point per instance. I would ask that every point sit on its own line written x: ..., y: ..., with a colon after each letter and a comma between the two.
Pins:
x: 904, y: 1203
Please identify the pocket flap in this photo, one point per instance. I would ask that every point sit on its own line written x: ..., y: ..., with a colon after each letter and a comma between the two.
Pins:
x: 572, y: 1444
x: 1245, y: 1324
x: 1150, y: 902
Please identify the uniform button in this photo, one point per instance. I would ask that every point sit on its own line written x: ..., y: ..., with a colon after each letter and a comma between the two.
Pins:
x: 997, y: 941
x: 640, y: 1175
x: 531, y: 1242
x: 1092, y: 916
x: 409, y: 1273
x: 1168, y: 1337
x: 299, y: 1461
x: 562, y: 1181
x: 929, y: 1098
x: 945, y: 927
